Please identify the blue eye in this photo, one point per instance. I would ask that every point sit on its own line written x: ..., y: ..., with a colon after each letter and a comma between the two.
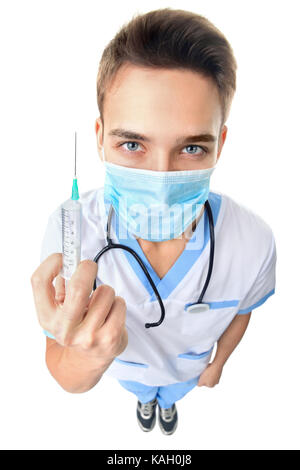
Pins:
x: 131, y: 149
x: 194, y: 146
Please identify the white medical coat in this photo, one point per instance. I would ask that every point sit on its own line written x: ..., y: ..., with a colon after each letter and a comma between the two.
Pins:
x: 179, y: 349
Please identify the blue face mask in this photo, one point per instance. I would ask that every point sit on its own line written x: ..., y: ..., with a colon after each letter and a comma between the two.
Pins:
x: 156, y: 205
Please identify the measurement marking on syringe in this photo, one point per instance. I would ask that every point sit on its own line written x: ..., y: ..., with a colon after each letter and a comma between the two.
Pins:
x: 71, y: 230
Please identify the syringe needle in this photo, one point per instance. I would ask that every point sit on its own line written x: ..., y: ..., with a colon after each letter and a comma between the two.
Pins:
x: 75, y: 153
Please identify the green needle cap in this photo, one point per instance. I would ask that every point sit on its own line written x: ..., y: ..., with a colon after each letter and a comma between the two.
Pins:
x: 75, y: 193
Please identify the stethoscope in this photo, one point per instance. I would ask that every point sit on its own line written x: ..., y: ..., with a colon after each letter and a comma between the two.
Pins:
x: 196, y: 307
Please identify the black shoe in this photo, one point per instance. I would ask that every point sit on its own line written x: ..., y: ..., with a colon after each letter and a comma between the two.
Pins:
x: 146, y: 414
x: 168, y: 419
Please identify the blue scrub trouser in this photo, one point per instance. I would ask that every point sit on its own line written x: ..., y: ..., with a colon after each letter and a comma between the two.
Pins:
x: 166, y: 394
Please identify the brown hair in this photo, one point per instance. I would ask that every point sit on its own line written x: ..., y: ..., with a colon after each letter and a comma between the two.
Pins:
x: 167, y: 38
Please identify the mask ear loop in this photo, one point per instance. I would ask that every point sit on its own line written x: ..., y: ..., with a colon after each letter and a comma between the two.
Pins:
x: 102, y: 151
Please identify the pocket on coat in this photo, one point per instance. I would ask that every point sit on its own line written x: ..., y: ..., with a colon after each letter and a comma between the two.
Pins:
x: 128, y: 370
x: 192, y: 364
x: 210, y: 322
x: 130, y: 363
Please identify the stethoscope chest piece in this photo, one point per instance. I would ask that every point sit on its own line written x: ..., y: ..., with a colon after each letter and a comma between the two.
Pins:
x: 197, y: 308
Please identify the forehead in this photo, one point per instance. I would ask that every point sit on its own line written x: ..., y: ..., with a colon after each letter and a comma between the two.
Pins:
x: 176, y: 97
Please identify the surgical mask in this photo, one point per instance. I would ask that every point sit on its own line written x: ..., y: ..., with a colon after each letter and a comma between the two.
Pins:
x: 156, y: 205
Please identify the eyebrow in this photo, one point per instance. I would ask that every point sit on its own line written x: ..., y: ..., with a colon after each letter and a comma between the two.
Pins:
x: 127, y: 134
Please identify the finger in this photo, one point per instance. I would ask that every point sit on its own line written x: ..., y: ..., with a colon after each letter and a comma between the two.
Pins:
x: 115, y: 321
x: 60, y: 289
x: 123, y: 342
x: 201, y: 382
x: 77, y: 294
x: 117, y: 314
x: 42, y: 283
x: 87, y: 307
x: 99, y: 307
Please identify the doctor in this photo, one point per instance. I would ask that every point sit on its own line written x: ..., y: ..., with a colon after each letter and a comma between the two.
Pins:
x: 160, y: 135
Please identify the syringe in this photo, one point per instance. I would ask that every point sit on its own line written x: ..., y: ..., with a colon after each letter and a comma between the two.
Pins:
x: 71, y: 214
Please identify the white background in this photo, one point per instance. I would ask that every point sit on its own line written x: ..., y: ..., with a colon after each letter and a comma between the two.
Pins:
x: 50, y: 52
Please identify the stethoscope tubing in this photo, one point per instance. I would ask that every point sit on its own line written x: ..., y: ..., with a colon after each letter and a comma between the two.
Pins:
x: 212, y: 250
x: 111, y: 245
x: 141, y: 263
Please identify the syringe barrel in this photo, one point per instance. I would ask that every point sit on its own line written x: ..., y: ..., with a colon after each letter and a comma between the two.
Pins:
x: 71, y: 213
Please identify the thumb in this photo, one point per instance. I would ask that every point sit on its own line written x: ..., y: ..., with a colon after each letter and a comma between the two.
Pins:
x: 201, y: 381
x: 60, y: 290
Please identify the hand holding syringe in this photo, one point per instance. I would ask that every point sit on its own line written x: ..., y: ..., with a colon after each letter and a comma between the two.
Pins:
x: 92, y: 323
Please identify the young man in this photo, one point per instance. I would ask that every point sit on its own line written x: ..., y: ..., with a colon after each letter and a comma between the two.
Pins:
x: 164, y: 88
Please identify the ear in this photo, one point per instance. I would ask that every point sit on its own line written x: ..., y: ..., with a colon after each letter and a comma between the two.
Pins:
x: 222, y: 139
x: 99, y: 136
